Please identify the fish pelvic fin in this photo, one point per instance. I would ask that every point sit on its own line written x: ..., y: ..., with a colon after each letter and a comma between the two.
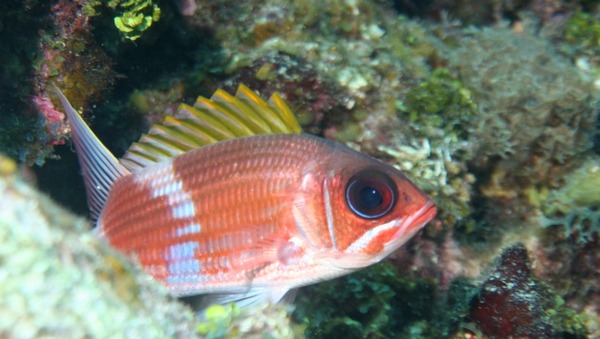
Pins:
x: 208, y: 121
x: 254, y: 297
x: 100, y: 168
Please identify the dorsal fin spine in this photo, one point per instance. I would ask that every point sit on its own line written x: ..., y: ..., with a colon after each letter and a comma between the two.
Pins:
x: 285, y: 113
x: 248, y: 119
x: 100, y: 168
x: 219, y: 118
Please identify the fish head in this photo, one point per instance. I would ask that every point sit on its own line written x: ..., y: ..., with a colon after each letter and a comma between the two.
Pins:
x: 368, y: 208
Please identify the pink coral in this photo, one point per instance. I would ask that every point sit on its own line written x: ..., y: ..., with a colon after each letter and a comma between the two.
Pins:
x: 47, y: 109
x: 55, y: 119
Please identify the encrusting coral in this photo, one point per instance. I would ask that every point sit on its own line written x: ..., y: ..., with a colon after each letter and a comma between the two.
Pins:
x: 57, y: 279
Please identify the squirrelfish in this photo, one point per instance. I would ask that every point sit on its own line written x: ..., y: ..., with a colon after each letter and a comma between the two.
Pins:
x: 228, y: 197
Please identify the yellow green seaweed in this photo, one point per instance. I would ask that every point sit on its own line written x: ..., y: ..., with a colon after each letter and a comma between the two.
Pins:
x: 134, y: 16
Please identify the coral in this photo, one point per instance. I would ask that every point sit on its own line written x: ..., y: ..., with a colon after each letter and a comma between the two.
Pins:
x: 69, y: 57
x: 513, y: 303
x: 534, y: 106
x: 535, y: 121
x: 582, y: 42
x: 571, y: 267
x: 57, y: 279
x: 133, y: 17
x: 22, y: 134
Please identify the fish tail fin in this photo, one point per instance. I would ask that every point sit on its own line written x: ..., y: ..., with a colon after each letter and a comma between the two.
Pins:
x: 100, y: 168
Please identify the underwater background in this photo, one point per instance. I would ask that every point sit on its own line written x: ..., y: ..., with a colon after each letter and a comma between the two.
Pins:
x: 490, y: 106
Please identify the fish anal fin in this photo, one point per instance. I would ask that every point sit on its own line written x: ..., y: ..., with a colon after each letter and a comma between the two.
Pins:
x: 255, y: 296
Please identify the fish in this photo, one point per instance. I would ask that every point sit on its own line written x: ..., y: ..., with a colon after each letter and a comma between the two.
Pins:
x: 229, y: 198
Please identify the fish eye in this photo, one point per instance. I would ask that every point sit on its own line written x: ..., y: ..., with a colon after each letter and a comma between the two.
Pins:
x: 370, y: 194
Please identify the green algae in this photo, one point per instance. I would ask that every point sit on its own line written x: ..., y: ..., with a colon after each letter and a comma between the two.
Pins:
x: 566, y: 321
x: 441, y: 101
x: 134, y: 16
x: 259, y: 321
x: 217, y: 320
x: 583, y: 30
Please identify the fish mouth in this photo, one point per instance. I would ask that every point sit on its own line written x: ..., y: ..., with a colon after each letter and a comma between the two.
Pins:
x: 411, y: 225
x: 407, y: 227
x: 424, y: 215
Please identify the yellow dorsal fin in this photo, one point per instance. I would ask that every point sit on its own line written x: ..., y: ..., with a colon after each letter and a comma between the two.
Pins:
x: 211, y: 120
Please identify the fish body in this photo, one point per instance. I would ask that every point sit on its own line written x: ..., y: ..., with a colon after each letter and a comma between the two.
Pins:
x: 251, y: 217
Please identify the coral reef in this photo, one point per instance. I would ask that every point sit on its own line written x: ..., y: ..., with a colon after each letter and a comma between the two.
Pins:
x: 581, y: 35
x: 535, y: 122
x: 535, y: 108
x: 441, y: 101
x: 468, y: 12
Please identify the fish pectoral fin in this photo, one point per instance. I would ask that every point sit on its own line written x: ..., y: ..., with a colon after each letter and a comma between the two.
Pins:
x: 253, y: 297
x: 281, y: 250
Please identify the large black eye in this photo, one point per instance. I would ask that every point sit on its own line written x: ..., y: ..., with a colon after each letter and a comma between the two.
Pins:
x: 370, y: 194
